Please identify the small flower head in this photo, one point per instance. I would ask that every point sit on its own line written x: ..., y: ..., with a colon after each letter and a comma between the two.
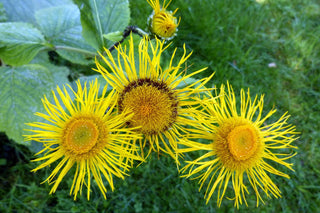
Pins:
x: 159, y: 105
x: 162, y: 23
x: 86, y: 133
x: 242, y: 146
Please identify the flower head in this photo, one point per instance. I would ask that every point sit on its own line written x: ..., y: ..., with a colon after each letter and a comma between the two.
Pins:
x: 87, y: 133
x: 159, y: 105
x: 162, y: 23
x: 242, y: 147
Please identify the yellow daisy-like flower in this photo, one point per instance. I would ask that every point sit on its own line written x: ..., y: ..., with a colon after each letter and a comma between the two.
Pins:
x: 243, y: 147
x: 159, y: 104
x: 162, y: 22
x: 87, y: 133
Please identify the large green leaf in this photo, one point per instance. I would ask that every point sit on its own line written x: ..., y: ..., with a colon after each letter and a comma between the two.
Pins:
x: 88, y: 79
x: 60, y: 73
x: 62, y: 28
x: 23, y: 10
x: 19, y: 42
x: 21, y: 91
x: 99, y: 17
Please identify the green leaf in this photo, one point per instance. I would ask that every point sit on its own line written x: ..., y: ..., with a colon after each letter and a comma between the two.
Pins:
x: 60, y: 73
x: 19, y: 42
x: 101, y: 81
x: 99, y: 17
x: 114, y: 36
x: 23, y: 10
x: 62, y: 28
x: 42, y: 58
x: 3, y: 14
x: 21, y: 91
x: 77, y: 58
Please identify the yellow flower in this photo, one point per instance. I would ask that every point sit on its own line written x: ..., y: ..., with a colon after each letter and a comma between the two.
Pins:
x: 162, y: 22
x: 242, y: 147
x: 159, y: 104
x: 87, y: 133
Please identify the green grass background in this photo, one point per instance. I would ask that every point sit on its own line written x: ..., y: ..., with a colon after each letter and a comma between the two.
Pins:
x: 236, y: 40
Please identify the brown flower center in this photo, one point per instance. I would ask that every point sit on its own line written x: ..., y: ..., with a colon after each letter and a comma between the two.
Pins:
x: 154, y: 105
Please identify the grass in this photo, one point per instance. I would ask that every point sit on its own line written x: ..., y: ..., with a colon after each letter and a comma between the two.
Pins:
x: 237, y: 40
